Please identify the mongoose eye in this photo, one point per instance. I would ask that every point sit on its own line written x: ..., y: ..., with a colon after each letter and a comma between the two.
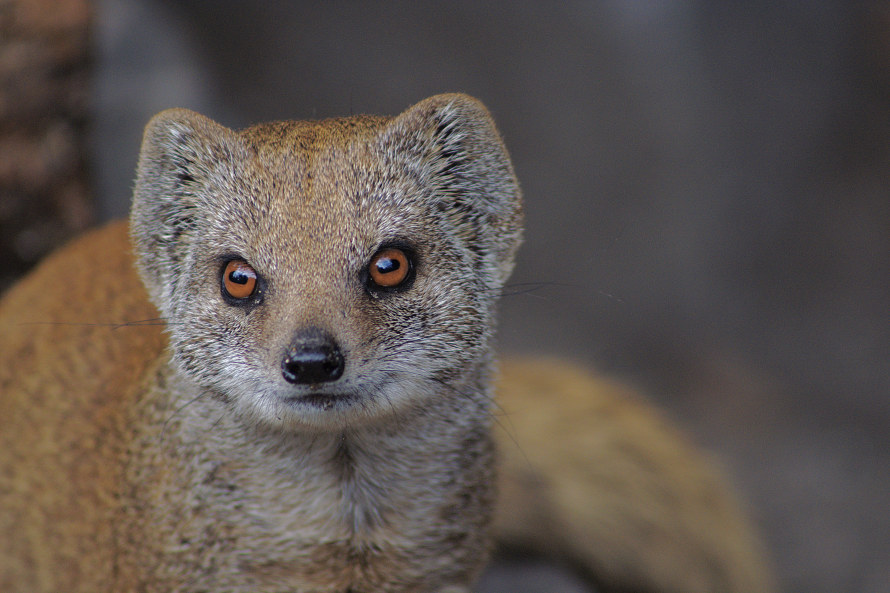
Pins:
x: 389, y: 268
x: 239, y: 280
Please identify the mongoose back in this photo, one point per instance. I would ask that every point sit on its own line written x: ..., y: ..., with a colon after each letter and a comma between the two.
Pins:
x: 317, y: 415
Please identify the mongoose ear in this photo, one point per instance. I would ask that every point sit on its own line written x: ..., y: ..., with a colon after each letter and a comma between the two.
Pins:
x: 462, y: 157
x: 183, y: 154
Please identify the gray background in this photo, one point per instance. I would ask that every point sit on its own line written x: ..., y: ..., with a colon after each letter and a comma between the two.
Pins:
x: 708, y: 208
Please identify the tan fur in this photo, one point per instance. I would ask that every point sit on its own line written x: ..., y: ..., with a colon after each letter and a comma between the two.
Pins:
x: 125, y: 469
x: 593, y: 474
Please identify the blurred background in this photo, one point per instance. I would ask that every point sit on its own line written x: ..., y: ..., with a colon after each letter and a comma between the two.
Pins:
x: 707, y: 192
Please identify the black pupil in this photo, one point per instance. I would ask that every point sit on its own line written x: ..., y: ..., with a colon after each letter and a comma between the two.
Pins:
x: 387, y: 265
x: 239, y: 277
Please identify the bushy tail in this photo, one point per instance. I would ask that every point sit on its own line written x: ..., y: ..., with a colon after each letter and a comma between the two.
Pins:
x: 594, y: 476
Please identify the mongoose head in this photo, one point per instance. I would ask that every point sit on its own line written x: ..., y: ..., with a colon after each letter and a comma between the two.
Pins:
x: 324, y: 274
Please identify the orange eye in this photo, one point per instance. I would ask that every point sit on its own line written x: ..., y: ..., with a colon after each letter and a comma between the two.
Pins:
x: 239, y: 279
x: 389, y: 267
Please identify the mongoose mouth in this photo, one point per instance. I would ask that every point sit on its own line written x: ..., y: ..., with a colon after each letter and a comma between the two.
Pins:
x: 324, y: 401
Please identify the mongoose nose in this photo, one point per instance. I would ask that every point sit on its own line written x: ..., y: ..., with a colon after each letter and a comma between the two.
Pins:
x: 313, y: 357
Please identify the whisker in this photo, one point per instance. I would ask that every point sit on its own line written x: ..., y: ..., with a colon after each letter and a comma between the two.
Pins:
x: 531, y: 288
x: 156, y: 321
x: 177, y: 411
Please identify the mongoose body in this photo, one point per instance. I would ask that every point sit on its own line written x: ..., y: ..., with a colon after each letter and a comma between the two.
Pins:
x: 317, y: 415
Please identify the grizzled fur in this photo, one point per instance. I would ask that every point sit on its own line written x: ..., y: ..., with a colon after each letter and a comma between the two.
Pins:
x: 183, y: 454
x: 387, y: 485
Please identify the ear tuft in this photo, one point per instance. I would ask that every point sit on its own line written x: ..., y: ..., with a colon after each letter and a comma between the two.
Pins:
x: 465, y: 161
x: 181, y: 153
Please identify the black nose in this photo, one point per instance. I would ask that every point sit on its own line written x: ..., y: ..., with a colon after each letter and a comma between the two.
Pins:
x: 312, y: 357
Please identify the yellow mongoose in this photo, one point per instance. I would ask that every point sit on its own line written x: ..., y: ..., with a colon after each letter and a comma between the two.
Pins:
x: 317, y: 415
